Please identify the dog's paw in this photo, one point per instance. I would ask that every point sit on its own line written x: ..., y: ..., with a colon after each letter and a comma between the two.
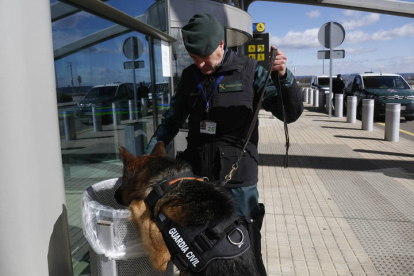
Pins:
x: 160, y: 255
x: 150, y: 235
x: 160, y: 263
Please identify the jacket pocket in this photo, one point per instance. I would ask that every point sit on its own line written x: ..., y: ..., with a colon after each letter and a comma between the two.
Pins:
x: 247, y: 170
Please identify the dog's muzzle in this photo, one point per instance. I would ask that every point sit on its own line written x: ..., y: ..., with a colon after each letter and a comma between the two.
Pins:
x: 118, y: 196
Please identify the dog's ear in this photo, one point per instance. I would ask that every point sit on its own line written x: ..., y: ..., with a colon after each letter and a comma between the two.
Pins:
x: 159, y: 150
x: 126, y: 156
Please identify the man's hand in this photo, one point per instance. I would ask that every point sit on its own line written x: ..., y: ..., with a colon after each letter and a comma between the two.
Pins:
x: 280, y: 62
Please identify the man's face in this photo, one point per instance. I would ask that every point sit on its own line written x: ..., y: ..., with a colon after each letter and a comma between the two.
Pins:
x: 208, y: 64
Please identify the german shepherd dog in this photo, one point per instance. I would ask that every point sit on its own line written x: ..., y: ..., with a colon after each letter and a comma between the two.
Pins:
x: 188, y: 202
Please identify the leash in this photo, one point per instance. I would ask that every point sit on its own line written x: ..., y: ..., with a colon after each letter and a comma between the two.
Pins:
x: 285, y: 125
x: 235, y: 166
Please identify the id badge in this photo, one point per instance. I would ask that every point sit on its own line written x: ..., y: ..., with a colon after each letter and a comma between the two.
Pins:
x: 208, y: 127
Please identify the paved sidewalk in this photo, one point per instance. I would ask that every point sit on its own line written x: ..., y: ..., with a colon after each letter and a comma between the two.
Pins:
x: 345, y: 204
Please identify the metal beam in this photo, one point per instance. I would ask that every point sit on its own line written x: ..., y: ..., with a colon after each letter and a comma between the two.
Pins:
x: 391, y: 7
x: 110, y: 13
x: 61, y: 10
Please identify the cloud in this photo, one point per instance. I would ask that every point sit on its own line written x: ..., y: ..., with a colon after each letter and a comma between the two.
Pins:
x: 358, y: 36
x: 298, y: 40
x: 100, y: 49
x: 73, y: 21
x: 62, y: 38
x: 351, y: 13
x: 406, y: 30
x: 404, y: 64
x: 394, y: 64
x: 356, y: 21
x: 313, y: 14
x: 357, y: 51
x: 308, y: 39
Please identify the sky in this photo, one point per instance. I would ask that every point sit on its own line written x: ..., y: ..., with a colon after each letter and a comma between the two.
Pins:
x: 376, y: 42
x: 373, y: 42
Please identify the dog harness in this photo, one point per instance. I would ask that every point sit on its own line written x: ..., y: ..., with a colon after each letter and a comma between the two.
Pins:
x: 194, y: 246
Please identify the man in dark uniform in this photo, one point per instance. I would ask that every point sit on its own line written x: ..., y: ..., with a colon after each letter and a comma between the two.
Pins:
x: 143, y: 92
x: 337, y: 87
x: 218, y: 95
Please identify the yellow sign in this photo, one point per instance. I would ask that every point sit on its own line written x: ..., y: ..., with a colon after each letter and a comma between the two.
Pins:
x: 252, y: 48
x: 260, y: 57
x: 260, y: 48
x: 260, y: 27
x: 252, y: 56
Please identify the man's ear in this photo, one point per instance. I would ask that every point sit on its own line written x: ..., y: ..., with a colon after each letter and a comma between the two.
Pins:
x: 126, y: 156
x: 222, y: 44
x: 159, y: 150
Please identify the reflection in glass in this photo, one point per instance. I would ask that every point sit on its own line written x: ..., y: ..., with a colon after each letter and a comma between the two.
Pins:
x: 99, y: 83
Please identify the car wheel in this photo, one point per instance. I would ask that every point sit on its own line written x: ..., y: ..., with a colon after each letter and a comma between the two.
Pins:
x: 409, y: 118
x: 359, y: 111
x: 344, y: 108
x: 377, y: 116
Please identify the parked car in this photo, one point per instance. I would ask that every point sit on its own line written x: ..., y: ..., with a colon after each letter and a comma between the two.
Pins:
x: 383, y: 88
x: 102, y: 97
x: 320, y: 83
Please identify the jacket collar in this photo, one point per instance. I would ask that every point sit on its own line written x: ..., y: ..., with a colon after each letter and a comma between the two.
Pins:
x: 229, y: 62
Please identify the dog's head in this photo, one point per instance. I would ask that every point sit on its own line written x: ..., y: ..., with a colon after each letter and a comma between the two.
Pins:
x: 140, y: 174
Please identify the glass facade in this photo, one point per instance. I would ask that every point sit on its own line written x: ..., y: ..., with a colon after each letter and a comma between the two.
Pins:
x: 96, y: 100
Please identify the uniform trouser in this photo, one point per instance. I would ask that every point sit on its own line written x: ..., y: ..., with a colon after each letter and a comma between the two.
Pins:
x: 252, y: 212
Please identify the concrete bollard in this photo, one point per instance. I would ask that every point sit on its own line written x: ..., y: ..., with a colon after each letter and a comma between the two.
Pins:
x: 305, y: 95
x: 97, y: 120
x: 69, y: 123
x: 315, y: 97
x: 339, y: 103
x: 367, y: 114
x: 131, y: 108
x: 351, y: 107
x: 392, y: 121
x: 135, y: 144
x: 327, y: 102
x: 115, y: 114
x: 310, y: 96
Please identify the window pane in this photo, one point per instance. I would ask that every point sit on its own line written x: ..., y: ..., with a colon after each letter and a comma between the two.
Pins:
x: 96, y: 77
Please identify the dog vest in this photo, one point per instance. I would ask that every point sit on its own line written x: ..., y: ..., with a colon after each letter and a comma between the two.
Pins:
x: 193, y: 247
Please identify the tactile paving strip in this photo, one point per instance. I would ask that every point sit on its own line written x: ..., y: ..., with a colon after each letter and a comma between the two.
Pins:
x: 378, y: 208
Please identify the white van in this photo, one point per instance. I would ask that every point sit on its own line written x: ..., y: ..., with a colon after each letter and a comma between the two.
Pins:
x: 320, y: 83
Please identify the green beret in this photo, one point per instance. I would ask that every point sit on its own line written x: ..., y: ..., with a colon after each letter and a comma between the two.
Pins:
x: 203, y: 34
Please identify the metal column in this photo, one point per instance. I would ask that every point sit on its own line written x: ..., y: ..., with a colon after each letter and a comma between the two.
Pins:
x: 367, y: 114
x: 34, y: 238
